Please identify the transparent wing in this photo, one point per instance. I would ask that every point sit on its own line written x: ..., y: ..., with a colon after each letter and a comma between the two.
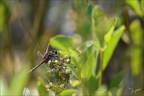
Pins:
x: 40, y: 56
x: 47, y: 49
x: 47, y: 66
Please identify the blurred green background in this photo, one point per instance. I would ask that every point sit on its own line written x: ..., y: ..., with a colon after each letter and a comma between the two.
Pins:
x: 26, y: 26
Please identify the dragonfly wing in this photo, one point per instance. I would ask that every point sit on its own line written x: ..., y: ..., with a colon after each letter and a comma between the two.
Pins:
x: 47, y: 68
x: 47, y: 49
x: 40, y: 56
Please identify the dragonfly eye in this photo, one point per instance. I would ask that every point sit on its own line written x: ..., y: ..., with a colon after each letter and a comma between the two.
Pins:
x: 54, y: 52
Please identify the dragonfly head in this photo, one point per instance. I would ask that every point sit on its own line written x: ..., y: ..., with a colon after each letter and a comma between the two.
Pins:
x: 54, y: 52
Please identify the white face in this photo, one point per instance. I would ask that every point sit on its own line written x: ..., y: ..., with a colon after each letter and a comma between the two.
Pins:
x: 54, y: 52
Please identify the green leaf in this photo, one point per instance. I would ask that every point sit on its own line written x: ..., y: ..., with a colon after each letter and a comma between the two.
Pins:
x: 68, y: 92
x: 65, y: 43
x: 41, y: 88
x: 102, y: 91
x: 4, y: 87
x: 92, y: 85
x: 137, y: 37
x: 99, y: 25
x: 18, y: 82
x: 117, y: 84
x: 97, y: 45
x: 116, y: 80
x: 89, y: 68
x: 109, y: 93
x: 135, y: 6
x: 119, y: 90
x: 85, y: 55
x: 2, y: 20
x: 136, y: 32
x: 84, y: 22
x: 112, y: 45
x: 108, y: 36
x: 62, y: 42
x: 83, y: 58
x: 74, y: 82
x: 103, y: 27
x: 4, y: 15
x: 97, y: 14
x: 142, y: 5
x: 136, y: 60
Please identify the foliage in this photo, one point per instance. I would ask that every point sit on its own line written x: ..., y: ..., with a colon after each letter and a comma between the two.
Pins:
x: 84, y: 57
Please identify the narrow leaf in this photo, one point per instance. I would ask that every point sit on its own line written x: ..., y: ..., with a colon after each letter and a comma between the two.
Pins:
x: 41, y: 88
x: 102, y: 91
x: 137, y: 37
x: 18, y: 82
x: 116, y: 80
x: 68, y: 92
x: 112, y: 45
x: 108, y: 36
x: 92, y: 85
x: 74, y: 82
x: 89, y: 66
x: 135, y: 6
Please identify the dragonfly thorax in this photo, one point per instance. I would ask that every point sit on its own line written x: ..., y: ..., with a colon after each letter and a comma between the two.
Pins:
x: 51, y: 55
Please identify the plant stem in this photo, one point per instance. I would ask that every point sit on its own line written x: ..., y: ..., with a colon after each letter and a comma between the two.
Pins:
x: 83, y: 88
x: 101, y: 66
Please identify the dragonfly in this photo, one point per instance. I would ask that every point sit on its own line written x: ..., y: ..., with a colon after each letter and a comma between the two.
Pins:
x: 46, y: 57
